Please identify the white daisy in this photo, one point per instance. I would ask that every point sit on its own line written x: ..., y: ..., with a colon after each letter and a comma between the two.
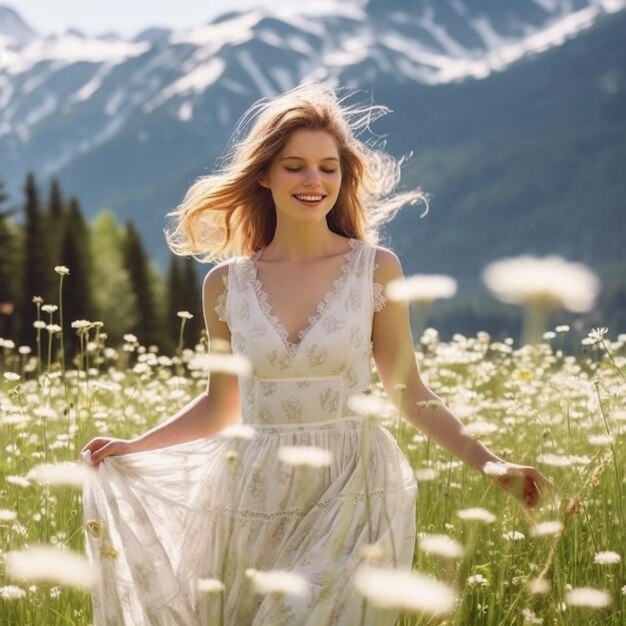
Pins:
x: 405, y: 591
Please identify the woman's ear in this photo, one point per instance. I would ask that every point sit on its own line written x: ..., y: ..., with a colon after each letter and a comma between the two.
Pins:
x: 263, y: 180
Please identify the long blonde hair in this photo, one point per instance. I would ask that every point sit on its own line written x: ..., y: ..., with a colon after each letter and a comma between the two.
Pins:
x: 229, y: 213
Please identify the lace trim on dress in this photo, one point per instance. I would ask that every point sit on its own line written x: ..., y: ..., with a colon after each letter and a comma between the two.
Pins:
x: 379, y: 297
x: 220, y: 303
x: 250, y: 272
x: 356, y: 498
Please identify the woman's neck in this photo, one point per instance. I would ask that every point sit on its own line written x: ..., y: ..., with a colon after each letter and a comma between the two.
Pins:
x: 299, y: 242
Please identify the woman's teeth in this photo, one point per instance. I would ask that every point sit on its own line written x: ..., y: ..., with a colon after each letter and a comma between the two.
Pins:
x: 309, y: 198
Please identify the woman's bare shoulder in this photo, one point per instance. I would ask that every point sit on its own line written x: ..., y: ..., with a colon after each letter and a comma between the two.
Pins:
x: 387, y: 264
x: 216, y: 277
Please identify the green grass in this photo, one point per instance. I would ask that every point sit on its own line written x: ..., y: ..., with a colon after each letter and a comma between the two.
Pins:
x: 532, y: 405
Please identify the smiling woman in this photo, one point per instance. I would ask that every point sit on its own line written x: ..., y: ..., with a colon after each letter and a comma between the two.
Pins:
x: 307, y: 170
x: 231, y: 211
x: 278, y: 521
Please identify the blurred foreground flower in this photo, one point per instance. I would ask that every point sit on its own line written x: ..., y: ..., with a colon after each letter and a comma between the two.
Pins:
x: 542, y: 285
x: 48, y: 564
x: 369, y: 406
x: 539, y: 586
x: 441, y: 545
x: 404, y: 591
x: 278, y: 581
x: 308, y: 456
x: 477, y: 514
x: 226, y: 363
x: 495, y: 470
x: 549, y: 528
x: 60, y: 474
x: 423, y: 290
x: 210, y: 585
x: 238, y: 431
x: 588, y: 597
x: 7, y: 515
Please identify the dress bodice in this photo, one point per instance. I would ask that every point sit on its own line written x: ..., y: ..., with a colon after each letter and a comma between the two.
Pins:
x: 311, y: 380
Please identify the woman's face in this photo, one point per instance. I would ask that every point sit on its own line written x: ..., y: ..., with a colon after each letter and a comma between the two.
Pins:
x: 305, y: 177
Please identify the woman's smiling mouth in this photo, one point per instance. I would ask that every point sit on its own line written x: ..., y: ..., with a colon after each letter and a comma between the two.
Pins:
x: 309, y: 198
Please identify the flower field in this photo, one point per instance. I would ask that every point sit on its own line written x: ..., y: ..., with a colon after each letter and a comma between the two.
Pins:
x: 480, y: 557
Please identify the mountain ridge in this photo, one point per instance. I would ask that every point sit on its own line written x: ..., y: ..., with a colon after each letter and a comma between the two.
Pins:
x: 155, y: 113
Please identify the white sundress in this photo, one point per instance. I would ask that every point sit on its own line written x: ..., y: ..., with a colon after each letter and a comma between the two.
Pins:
x: 158, y: 521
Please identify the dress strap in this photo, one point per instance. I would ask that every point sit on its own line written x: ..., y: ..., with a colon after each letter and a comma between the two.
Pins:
x: 222, y: 300
x: 376, y: 289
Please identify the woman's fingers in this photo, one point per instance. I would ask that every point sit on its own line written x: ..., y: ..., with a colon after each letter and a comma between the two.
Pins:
x: 532, y: 492
x: 525, y: 483
x: 96, y: 444
x: 100, y: 448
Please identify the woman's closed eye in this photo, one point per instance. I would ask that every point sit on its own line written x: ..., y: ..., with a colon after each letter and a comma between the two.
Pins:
x: 298, y: 169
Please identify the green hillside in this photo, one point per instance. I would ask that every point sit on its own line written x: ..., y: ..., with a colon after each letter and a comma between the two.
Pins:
x: 527, y: 161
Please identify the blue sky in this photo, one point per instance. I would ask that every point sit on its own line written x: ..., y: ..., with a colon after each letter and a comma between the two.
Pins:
x: 127, y: 17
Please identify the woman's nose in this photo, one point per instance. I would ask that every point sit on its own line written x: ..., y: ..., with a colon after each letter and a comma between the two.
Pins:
x: 312, y: 176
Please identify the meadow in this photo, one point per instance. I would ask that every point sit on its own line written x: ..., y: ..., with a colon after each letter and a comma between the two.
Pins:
x: 562, y: 410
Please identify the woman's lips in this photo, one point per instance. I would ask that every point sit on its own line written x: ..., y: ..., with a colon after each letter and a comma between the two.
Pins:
x: 309, y: 199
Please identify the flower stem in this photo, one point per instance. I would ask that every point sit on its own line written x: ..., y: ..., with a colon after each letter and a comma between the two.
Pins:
x: 62, y: 336
x: 610, y: 355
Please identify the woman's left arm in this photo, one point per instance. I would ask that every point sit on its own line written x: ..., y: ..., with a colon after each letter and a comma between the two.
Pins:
x: 394, y: 354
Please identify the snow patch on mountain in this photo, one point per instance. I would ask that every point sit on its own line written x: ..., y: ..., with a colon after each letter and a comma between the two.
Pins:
x: 236, y: 30
x: 439, y: 32
x: 612, y: 6
x: 491, y: 38
x: 90, y: 87
x: 69, y: 48
x: 194, y: 82
x: 255, y: 74
x: 323, y: 9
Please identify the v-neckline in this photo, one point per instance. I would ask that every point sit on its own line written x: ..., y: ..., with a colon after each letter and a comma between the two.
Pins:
x: 330, y: 295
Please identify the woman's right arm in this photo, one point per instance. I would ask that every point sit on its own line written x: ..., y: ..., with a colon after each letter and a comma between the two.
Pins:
x: 205, y: 415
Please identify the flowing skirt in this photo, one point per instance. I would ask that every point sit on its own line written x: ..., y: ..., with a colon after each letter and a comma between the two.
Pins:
x: 158, y: 522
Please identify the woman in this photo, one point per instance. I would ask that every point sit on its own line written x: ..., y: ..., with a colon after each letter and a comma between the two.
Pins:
x: 301, y: 295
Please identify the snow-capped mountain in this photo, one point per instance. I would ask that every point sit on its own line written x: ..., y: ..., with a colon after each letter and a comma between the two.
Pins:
x: 112, y: 116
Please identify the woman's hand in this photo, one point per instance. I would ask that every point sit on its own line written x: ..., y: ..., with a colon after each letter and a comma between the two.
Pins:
x: 101, y: 447
x: 522, y: 481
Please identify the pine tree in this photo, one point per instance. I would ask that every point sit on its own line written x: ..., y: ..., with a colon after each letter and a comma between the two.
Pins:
x: 38, y: 276
x: 193, y: 301
x: 174, y: 294
x: 55, y: 219
x: 183, y: 295
x: 7, y: 270
x: 114, y: 300
x: 146, y: 327
x: 74, y: 254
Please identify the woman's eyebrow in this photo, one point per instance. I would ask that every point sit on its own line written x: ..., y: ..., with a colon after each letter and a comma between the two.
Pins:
x: 303, y: 159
